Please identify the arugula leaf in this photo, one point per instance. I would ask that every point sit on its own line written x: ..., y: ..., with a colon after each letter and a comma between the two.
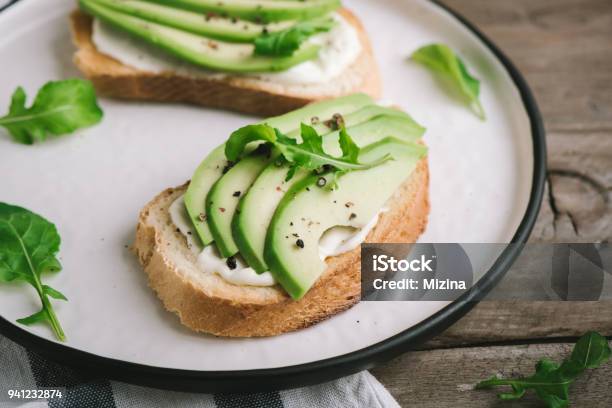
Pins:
x: 59, y: 107
x: 551, y: 381
x: 311, y: 156
x: 350, y: 150
x: 307, y: 155
x: 240, y: 138
x: 350, y: 153
x: 441, y: 59
x: 285, y: 42
x: 590, y: 351
x: 28, y: 245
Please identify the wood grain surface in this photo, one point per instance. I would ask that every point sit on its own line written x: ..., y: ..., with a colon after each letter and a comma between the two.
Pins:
x: 445, y: 378
x: 564, y: 50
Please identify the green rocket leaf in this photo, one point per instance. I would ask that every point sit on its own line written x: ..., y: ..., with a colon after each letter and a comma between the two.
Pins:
x: 307, y: 155
x: 59, y: 107
x: 285, y: 42
x: 442, y: 60
x: 28, y: 248
x: 551, y: 381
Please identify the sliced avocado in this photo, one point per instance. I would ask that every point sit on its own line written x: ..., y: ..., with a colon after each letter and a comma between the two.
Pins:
x: 223, y: 200
x: 307, y: 211
x: 259, y: 10
x: 364, y: 114
x: 212, y: 167
x: 198, y: 50
x: 225, y: 194
x: 325, y: 109
x: 211, y: 25
x: 207, y: 173
x: 256, y: 209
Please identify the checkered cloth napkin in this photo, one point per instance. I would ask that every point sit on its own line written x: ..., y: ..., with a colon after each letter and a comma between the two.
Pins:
x: 21, y: 369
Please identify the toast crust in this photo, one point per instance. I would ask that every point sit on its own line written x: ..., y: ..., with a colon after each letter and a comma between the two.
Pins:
x: 207, y: 303
x: 243, y: 94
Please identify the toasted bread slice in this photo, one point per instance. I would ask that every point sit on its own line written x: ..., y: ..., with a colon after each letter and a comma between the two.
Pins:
x: 205, y: 302
x: 233, y: 92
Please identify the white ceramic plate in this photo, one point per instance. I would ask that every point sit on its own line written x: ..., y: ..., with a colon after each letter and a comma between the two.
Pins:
x: 93, y: 184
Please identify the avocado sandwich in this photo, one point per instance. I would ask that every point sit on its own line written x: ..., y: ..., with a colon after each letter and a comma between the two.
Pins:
x: 263, y: 57
x: 265, y: 238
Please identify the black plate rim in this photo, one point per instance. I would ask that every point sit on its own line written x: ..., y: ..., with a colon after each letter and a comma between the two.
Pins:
x: 269, y: 379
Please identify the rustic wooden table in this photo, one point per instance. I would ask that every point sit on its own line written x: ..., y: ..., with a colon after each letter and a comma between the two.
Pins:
x: 564, y: 50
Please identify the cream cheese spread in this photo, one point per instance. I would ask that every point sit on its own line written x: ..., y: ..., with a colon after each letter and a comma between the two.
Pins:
x: 210, y: 260
x: 341, y: 239
x: 340, y: 47
x: 335, y: 241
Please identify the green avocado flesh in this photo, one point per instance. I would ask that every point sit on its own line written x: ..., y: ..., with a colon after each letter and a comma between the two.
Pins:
x: 256, y: 209
x: 211, y: 168
x: 223, y: 199
x: 201, y: 51
x: 259, y: 10
x: 211, y: 25
x: 224, y: 196
x: 224, y: 207
x: 306, y: 212
x: 362, y: 115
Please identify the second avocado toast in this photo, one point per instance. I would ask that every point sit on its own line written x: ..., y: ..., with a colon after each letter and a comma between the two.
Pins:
x: 265, y: 238
x: 264, y: 57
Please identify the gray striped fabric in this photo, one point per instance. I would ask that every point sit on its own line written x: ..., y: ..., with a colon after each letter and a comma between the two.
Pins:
x: 21, y: 369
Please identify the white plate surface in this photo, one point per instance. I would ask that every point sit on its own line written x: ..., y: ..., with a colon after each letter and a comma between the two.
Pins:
x: 93, y: 184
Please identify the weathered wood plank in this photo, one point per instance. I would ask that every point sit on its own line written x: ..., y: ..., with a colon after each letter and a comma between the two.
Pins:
x: 491, y: 322
x: 580, y: 187
x: 443, y: 378
x: 563, y: 49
